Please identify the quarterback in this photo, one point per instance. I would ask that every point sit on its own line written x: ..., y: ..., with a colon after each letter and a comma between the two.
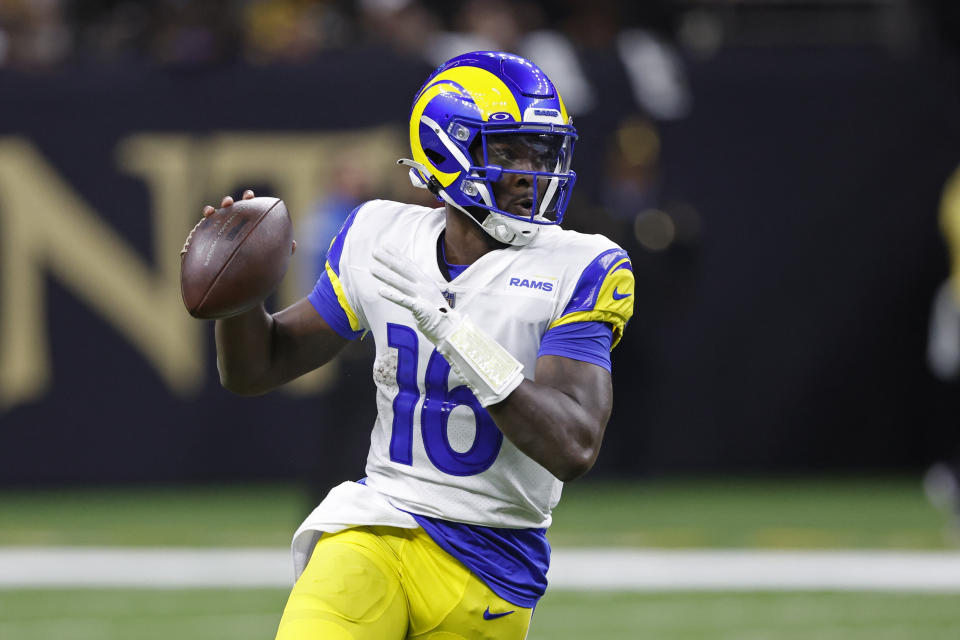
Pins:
x: 493, y: 328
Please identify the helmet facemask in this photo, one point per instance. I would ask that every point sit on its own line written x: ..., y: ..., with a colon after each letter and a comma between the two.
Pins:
x: 526, y: 174
x: 506, y: 159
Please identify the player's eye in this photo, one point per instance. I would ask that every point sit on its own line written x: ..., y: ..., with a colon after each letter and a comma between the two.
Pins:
x: 536, y: 151
x: 502, y: 153
x: 545, y: 161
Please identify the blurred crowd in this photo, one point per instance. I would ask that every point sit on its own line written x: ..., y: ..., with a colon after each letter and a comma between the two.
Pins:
x: 652, y: 41
x: 42, y: 34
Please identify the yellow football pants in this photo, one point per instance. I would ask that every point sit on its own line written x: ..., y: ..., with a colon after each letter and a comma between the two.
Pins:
x: 387, y: 583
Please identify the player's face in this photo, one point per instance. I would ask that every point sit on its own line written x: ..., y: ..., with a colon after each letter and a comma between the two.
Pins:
x: 522, y: 152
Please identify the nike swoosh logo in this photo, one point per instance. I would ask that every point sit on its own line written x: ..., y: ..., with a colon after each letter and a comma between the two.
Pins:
x: 493, y: 616
x: 620, y: 296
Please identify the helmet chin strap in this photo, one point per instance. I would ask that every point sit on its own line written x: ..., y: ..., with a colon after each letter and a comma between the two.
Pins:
x: 508, y: 230
x: 501, y: 228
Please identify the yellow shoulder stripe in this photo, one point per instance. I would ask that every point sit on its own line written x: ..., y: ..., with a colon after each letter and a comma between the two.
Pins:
x: 342, y: 298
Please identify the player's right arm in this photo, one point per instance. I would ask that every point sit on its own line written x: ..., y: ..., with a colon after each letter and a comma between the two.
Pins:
x: 258, y: 351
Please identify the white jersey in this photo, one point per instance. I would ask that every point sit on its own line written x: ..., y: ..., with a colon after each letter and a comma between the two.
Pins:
x: 434, y: 450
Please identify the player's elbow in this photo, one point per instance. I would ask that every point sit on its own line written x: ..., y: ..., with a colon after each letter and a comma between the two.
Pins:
x: 238, y: 383
x: 577, y: 460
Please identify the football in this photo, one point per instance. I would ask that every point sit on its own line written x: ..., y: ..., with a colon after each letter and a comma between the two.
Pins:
x: 235, y: 258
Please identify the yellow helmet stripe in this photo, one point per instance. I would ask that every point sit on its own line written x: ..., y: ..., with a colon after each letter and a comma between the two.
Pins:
x: 489, y: 93
x: 446, y: 179
x: 563, y: 110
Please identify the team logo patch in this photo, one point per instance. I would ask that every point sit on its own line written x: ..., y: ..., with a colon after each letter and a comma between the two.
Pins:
x: 541, y: 114
x: 493, y: 616
x: 450, y: 297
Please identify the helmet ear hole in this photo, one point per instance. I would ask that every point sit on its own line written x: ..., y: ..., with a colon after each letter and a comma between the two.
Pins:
x: 435, y: 158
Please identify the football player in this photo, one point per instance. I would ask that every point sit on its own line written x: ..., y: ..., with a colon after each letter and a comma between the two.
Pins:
x: 942, y: 481
x: 493, y: 328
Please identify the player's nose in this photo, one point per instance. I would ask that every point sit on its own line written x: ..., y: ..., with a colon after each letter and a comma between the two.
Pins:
x: 521, y: 180
x: 520, y: 186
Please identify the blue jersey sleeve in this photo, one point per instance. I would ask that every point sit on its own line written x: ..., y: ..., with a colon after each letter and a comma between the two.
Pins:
x: 584, y: 341
x: 328, y: 296
x: 324, y: 299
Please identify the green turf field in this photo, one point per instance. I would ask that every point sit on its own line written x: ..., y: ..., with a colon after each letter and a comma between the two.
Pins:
x: 747, y: 513
x: 888, y: 513
x: 746, y: 616
x: 253, y: 614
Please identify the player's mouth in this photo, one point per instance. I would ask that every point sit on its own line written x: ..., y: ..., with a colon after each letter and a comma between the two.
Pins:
x: 522, y: 207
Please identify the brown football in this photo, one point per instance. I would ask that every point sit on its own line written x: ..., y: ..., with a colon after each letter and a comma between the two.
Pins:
x: 235, y: 258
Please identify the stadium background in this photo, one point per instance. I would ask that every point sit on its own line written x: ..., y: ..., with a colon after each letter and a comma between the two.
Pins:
x: 774, y: 169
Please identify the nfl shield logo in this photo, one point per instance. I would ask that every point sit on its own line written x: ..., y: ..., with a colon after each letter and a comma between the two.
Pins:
x: 450, y: 297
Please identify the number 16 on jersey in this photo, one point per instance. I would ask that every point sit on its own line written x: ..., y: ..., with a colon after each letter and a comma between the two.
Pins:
x: 437, y: 406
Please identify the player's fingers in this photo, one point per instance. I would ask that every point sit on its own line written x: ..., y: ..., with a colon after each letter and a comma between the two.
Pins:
x: 389, y: 261
x: 396, y: 297
x: 395, y: 262
x: 387, y: 276
x: 384, y: 256
x: 227, y: 201
x: 393, y: 279
x: 294, y: 248
x: 208, y: 211
x: 248, y: 194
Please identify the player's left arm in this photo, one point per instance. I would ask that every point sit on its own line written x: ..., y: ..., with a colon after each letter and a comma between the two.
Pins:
x: 558, y: 419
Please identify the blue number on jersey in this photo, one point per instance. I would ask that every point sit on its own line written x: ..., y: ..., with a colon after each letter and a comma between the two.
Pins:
x: 437, y: 406
x: 404, y: 340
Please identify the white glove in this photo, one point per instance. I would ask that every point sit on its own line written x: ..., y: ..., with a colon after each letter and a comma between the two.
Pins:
x: 487, y: 368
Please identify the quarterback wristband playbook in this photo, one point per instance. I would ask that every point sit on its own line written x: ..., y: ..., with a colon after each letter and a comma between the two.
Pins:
x: 487, y: 368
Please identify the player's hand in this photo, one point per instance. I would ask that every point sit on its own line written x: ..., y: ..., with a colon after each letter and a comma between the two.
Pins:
x: 228, y: 201
x: 490, y: 371
x: 406, y: 285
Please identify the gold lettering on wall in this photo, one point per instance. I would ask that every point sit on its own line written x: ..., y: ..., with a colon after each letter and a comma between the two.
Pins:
x: 46, y: 228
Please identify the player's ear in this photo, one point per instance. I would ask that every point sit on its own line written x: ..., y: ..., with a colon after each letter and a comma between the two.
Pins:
x: 476, y: 151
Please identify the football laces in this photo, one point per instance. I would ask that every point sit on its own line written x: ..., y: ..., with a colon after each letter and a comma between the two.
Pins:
x: 186, y: 244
